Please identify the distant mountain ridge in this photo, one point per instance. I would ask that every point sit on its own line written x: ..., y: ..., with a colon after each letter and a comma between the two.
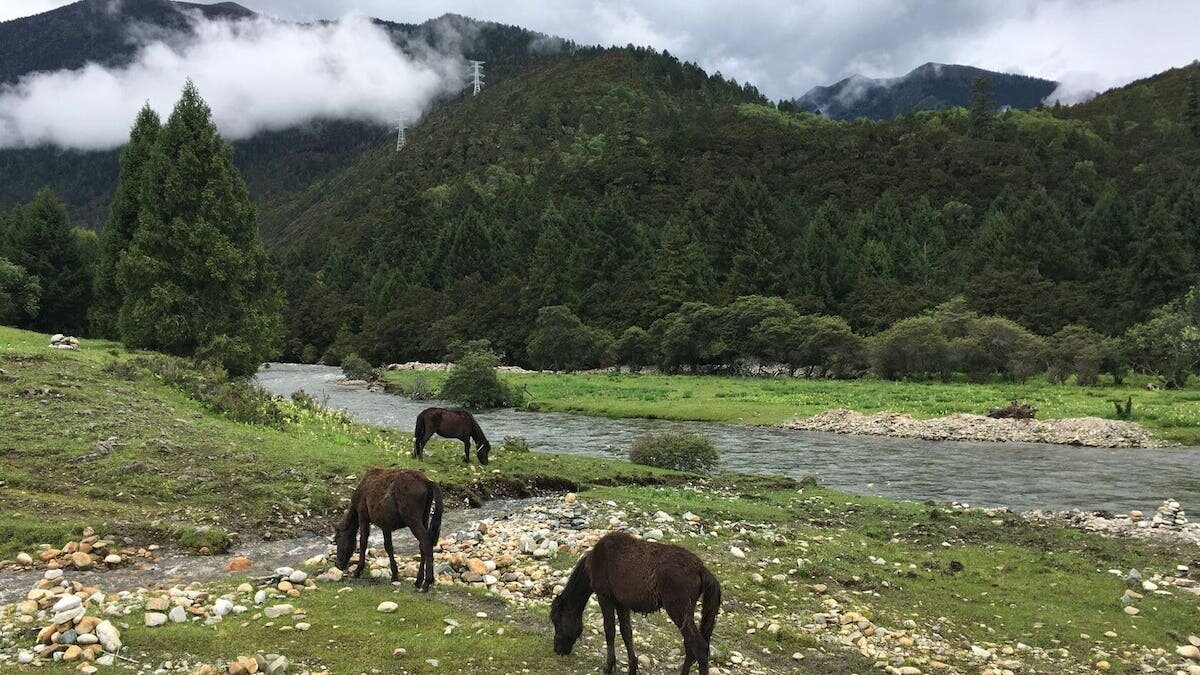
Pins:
x: 927, y: 87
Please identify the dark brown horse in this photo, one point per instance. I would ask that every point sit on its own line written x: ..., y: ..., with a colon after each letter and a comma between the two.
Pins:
x: 448, y: 423
x: 392, y: 499
x: 633, y: 575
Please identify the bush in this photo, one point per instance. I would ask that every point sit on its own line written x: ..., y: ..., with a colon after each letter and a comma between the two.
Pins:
x: 355, y: 367
x: 914, y: 347
x: 209, y: 384
x: 1076, y: 350
x: 681, y: 451
x: 516, y: 444
x: 560, y: 341
x: 635, y: 348
x: 473, y: 383
x: 210, y: 538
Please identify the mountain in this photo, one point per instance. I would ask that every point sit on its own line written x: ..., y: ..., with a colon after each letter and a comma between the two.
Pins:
x: 107, y: 32
x: 931, y: 86
x: 110, y: 32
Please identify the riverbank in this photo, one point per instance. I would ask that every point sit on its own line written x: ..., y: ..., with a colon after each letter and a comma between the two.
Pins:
x: 1171, y: 417
x: 815, y: 580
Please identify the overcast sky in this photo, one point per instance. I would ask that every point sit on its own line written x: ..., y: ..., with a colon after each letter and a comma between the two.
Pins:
x: 786, y: 46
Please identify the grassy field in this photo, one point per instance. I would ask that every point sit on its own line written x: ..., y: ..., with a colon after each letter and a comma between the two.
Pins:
x: 993, y: 581
x: 1172, y: 415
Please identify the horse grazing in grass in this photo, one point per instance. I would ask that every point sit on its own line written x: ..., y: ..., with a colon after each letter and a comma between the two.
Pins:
x: 392, y: 499
x: 448, y: 423
x: 633, y: 575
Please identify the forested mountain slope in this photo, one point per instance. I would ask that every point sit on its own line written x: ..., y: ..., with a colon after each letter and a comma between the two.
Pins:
x: 623, y: 183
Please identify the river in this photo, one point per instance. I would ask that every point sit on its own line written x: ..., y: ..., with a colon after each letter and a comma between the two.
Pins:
x: 1019, y: 475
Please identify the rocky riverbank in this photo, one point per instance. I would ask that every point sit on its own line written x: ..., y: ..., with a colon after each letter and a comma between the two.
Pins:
x: 1084, y: 431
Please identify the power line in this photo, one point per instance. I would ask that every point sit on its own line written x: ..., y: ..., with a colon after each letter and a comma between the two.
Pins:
x: 476, y: 75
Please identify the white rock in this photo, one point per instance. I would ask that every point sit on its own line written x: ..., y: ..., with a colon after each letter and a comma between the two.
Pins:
x: 112, y: 559
x: 24, y: 559
x: 177, y: 614
x: 25, y: 656
x: 737, y: 552
x: 387, y: 607
x: 153, y: 619
x: 298, y: 577
x: 51, y: 575
x: 222, y: 607
x: 260, y: 597
x: 276, y: 611
x: 67, y: 602
x: 284, y: 572
x: 69, y: 615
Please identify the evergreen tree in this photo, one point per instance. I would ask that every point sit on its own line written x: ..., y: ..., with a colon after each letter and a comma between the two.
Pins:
x: 758, y: 263
x: 681, y: 271
x: 1162, y: 264
x: 1191, y: 109
x: 925, y: 224
x: 122, y: 222
x: 982, y: 113
x: 470, y: 249
x: 47, y: 248
x: 1108, y: 230
x: 195, y: 278
x: 549, y: 274
x: 1045, y: 239
x: 740, y: 204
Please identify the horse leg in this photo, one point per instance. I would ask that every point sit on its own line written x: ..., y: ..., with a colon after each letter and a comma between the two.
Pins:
x: 467, y: 450
x: 610, y: 634
x: 387, y: 546
x: 364, y: 534
x: 627, y: 638
x: 425, y: 569
x: 424, y: 440
x: 695, y: 647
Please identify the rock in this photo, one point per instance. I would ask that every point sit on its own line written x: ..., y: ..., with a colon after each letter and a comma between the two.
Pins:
x: 1133, y: 577
x: 153, y: 619
x: 238, y: 564
x: 177, y: 614
x: 52, y: 575
x: 570, y: 498
x: 158, y: 604
x: 298, y: 577
x: 655, y: 534
x: 222, y: 607
x: 112, y: 559
x: 67, y: 602
x: 1132, y: 611
x: 1194, y: 641
x: 387, y: 607
x: 279, y: 665
x: 24, y: 559
x: 276, y: 611
x: 1189, y: 652
x: 68, y: 637
x: 477, y: 566
x: 87, y: 639
x: 331, y: 574
x: 303, y: 626
x: 25, y: 656
x: 68, y: 616
x: 73, y: 653
x: 737, y: 552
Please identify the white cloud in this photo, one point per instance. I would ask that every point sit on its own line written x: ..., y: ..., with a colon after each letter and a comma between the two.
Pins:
x: 256, y: 75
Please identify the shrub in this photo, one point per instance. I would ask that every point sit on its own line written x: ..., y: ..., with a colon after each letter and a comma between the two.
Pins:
x: 681, y: 451
x: 560, y: 341
x: 122, y: 369
x: 516, y: 444
x: 635, y: 348
x: 914, y: 347
x: 198, y: 538
x: 473, y: 383
x: 209, y: 384
x: 355, y: 367
x: 1076, y: 350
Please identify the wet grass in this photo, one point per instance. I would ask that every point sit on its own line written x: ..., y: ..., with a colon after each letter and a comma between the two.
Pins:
x: 1173, y: 416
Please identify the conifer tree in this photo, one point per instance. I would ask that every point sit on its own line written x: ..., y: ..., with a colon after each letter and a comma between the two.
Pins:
x: 758, y: 263
x: 1162, y: 264
x: 983, y: 109
x: 1044, y: 238
x: 47, y: 248
x: 1108, y: 230
x: 681, y: 271
x: 1191, y: 110
x: 470, y: 250
x: 549, y: 274
x: 195, y: 279
x: 122, y: 222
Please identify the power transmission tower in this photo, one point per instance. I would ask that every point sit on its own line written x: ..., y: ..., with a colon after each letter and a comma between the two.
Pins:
x: 401, y: 140
x: 477, y: 75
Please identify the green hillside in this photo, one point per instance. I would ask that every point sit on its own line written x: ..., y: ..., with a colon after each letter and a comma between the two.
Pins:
x: 588, y: 179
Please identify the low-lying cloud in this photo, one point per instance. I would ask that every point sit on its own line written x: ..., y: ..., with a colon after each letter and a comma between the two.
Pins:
x: 257, y: 75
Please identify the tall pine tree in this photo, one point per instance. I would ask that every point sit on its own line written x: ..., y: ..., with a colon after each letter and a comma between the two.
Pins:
x: 46, y: 247
x: 122, y: 222
x: 1162, y: 264
x: 681, y: 271
x: 195, y: 279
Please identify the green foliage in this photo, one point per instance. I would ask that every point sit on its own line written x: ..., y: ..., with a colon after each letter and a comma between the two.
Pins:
x: 678, y: 451
x: 237, y: 399
x: 515, y: 444
x: 195, y: 279
x: 1076, y: 350
x: 122, y: 222
x: 43, y: 244
x: 560, y: 341
x: 635, y: 348
x: 210, y: 540
x: 473, y: 382
x: 19, y: 294
x: 1168, y: 344
x: 355, y: 367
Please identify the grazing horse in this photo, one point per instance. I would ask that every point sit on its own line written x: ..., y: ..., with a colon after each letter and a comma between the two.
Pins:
x: 450, y: 423
x: 392, y: 499
x: 633, y: 575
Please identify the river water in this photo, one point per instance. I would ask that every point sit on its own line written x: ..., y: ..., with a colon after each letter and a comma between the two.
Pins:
x: 1020, y: 475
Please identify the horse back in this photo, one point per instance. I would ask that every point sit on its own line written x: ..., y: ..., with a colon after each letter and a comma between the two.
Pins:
x: 640, y: 575
x: 380, y: 490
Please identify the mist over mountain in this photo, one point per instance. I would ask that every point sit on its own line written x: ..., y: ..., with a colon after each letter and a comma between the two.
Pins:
x: 931, y: 86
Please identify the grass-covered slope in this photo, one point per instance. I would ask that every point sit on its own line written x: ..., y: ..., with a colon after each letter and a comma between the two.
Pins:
x: 175, y: 463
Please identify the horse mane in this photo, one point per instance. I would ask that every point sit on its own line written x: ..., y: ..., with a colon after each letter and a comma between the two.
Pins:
x: 477, y: 432
x: 350, y: 520
x: 578, y: 589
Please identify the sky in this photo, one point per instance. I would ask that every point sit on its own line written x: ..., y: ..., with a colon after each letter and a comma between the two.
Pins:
x: 785, y: 47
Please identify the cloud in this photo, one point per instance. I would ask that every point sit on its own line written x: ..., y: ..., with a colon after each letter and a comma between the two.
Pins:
x: 256, y: 75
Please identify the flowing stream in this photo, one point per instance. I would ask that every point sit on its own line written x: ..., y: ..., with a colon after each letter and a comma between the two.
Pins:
x: 1020, y: 475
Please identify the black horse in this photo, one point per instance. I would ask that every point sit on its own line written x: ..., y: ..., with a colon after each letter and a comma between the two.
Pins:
x: 447, y: 423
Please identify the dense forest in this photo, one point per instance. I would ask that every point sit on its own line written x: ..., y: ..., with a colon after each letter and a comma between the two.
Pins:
x: 624, y: 184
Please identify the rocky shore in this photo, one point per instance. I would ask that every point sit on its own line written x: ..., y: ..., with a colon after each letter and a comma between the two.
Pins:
x: 1085, y: 431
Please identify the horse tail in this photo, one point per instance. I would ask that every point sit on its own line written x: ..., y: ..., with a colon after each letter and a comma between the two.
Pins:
x: 710, y: 592
x: 418, y: 434
x: 433, y: 497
